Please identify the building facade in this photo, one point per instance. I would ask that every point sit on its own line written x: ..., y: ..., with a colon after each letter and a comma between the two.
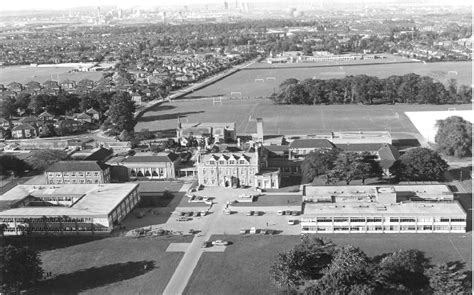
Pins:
x: 382, y: 209
x: 77, y: 172
x: 160, y: 166
x: 234, y: 170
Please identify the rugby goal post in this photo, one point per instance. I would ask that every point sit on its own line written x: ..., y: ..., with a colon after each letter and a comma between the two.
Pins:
x: 271, y: 79
x: 259, y: 80
x: 217, y: 100
x: 236, y: 94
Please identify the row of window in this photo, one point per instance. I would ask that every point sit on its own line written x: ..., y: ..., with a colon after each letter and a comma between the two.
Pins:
x: 229, y: 171
x: 74, y: 181
x: 147, y: 173
x: 74, y: 173
x: 382, y: 228
x: 229, y: 162
x: 380, y: 219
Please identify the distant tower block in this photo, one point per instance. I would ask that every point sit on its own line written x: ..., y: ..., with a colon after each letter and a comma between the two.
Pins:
x: 260, y: 129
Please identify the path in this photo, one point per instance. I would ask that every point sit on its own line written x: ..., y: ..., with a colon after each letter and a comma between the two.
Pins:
x: 185, y: 269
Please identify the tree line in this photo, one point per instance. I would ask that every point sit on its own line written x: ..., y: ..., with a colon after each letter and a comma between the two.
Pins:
x: 324, y: 268
x: 409, y: 88
x: 418, y: 164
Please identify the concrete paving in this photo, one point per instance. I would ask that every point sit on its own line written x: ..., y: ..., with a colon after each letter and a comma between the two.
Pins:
x: 217, y: 222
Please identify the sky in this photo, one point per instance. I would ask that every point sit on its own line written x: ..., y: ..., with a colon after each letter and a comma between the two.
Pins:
x: 8, y: 5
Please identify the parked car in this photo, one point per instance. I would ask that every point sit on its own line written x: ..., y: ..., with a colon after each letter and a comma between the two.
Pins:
x: 258, y: 213
x: 203, y: 213
x: 292, y: 222
x: 243, y: 231
x: 200, y: 187
x: 182, y: 218
x: 281, y: 212
x: 205, y: 244
x: 228, y: 212
x: 197, y: 214
x: 287, y: 212
x: 295, y: 213
x: 250, y: 213
x: 220, y: 243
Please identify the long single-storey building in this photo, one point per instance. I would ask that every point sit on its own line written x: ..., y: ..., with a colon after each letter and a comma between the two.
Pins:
x: 66, y: 209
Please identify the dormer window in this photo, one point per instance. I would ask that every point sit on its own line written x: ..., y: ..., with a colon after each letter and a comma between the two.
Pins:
x: 221, y: 162
x: 242, y: 162
x: 212, y: 162
x: 231, y: 162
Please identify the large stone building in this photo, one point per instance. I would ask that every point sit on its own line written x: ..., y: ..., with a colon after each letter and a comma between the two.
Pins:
x: 235, y: 169
x: 219, y: 131
x: 149, y: 166
x: 66, y: 209
x: 77, y: 172
x: 382, y: 209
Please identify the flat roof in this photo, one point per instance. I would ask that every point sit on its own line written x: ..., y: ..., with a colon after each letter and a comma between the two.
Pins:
x: 441, y: 209
x: 422, y: 190
x: 95, y: 199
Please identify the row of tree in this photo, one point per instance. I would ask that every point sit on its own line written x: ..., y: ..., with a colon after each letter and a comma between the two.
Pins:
x: 325, y: 268
x: 420, y: 164
x: 409, y: 88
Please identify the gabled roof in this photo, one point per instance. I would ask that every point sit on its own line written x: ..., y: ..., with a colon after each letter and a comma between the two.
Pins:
x: 45, y: 114
x: 65, y: 166
x: 23, y: 127
x: 101, y: 154
x: 311, y: 143
x: 359, y: 147
x: 82, y: 116
x: 388, y: 154
x: 276, y: 148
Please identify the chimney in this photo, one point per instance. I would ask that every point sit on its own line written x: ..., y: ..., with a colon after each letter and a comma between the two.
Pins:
x: 260, y: 130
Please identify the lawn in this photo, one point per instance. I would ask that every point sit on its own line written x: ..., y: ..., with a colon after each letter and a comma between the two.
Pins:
x: 111, y: 266
x: 244, y: 267
x: 244, y: 81
x: 286, y: 119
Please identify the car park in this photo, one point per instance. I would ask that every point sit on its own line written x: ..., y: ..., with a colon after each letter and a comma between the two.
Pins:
x: 220, y: 243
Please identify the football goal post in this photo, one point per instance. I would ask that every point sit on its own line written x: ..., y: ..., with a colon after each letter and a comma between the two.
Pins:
x: 271, y: 79
x: 259, y: 80
x: 236, y: 95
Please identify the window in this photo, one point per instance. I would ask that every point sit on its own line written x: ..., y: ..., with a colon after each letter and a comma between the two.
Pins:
x: 458, y: 220
x: 394, y: 219
x: 374, y: 219
x: 88, y: 173
x: 407, y: 219
x: 341, y: 228
x: 324, y: 219
x: 341, y: 219
x: 73, y: 173
x: 357, y: 219
x: 221, y: 162
x: 444, y: 219
x: 242, y: 162
x: 231, y: 162
x: 96, y: 173
x: 212, y: 162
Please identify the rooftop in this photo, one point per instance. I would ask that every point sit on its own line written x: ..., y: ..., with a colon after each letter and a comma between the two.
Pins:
x: 150, y: 158
x: 209, y: 124
x: 97, y: 199
x: 442, y: 209
x: 65, y: 166
x: 311, y: 143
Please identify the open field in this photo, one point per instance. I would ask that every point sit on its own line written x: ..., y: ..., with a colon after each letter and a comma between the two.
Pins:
x: 24, y: 74
x: 111, y: 266
x: 244, y: 266
x: 244, y: 80
x: 286, y: 119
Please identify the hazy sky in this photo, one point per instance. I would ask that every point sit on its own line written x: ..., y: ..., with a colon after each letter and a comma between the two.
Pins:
x: 65, y: 4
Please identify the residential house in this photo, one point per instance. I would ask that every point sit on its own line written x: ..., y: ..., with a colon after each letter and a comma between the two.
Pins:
x: 15, y: 87
x: 93, y: 113
x: 387, y: 155
x: 68, y: 85
x: 33, y: 87
x: 51, y: 85
x: 68, y: 125
x: 45, y: 116
x: 77, y: 172
x: 24, y: 130
x: 83, y: 118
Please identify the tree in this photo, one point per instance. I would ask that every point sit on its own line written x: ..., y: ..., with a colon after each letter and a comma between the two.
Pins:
x: 454, y: 137
x: 447, y: 278
x: 7, y: 108
x: 22, y: 267
x: 350, y: 166
x: 42, y: 159
x: 402, y: 272
x: 11, y: 164
x: 317, y: 163
x: 420, y: 164
x: 121, y: 112
x: 348, y: 273
x: 47, y: 130
x: 304, y: 262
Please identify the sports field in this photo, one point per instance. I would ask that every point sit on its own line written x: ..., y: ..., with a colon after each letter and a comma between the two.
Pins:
x: 258, y: 82
x: 24, y: 74
x: 244, y: 266
x: 285, y: 119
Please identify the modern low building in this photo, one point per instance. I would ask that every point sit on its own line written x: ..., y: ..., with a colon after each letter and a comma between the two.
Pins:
x: 77, y: 172
x: 382, y: 209
x: 66, y: 209
x: 235, y: 169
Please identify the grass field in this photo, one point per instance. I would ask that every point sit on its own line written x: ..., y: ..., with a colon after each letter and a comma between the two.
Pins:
x: 111, y: 266
x: 23, y: 74
x: 244, y: 267
x: 284, y: 119
x: 244, y: 81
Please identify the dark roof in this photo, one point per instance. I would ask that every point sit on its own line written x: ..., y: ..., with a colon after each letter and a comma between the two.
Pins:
x: 101, y: 154
x: 310, y: 143
x: 64, y: 166
x: 359, y: 147
x: 388, y: 154
x: 171, y: 157
x: 277, y: 148
x: 23, y: 127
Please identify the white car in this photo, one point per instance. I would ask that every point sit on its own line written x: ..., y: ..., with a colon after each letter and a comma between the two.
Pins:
x: 292, y: 222
x: 220, y: 243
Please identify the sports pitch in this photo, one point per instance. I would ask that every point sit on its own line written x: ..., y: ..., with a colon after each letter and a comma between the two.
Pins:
x: 262, y: 82
x: 286, y: 119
